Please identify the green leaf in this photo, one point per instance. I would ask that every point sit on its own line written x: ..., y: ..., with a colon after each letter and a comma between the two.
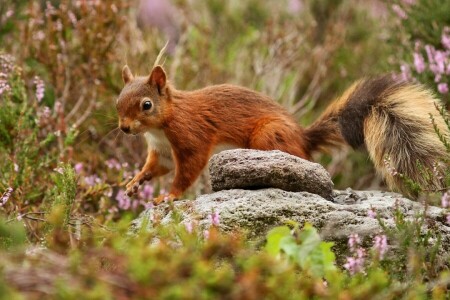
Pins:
x: 274, y: 237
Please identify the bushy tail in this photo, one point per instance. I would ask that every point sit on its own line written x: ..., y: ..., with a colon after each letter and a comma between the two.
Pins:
x: 391, y: 119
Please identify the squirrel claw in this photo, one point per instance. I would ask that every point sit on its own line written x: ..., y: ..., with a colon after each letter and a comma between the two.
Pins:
x: 164, y: 198
x: 132, y: 188
x: 133, y: 185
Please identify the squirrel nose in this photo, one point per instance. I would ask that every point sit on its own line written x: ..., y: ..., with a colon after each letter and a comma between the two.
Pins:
x: 125, y: 129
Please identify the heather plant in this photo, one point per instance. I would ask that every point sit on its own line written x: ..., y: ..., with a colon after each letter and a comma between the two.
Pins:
x: 425, y: 37
x: 64, y: 217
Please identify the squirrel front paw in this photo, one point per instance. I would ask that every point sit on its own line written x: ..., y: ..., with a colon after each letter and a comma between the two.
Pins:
x: 164, y: 198
x: 133, y: 186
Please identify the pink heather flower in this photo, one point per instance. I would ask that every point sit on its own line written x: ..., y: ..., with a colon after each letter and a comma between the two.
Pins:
x: 59, y: 170
x: 135, y: 204
x: 440, y: 58
x: 5, y: 88
x: 406, y: 72
x: 124, y: 200
x: 146, y: 205
x: 437, y: 78
x: 146, y: 192
x: 356, y: 264
x: 380, y: 245
x: 19, y: 217
x: 6, y: 195
x: 39, y: 35
x: 214, y: 218
x: 189, y: 227
x: 49, y: 10
x: 73, y: 18
x: 419, y: 62
x: 399, y: 11
x: 113, y: 164
x: 295, y: 6
x: 445, y: 200
x: 430, y: 53
x: 43, y: 115
x: 59, y: 25
x: 206, y: 234
x: 78, y: 168
x: 58, y: 107
x: 371, y: 213
x: 354, y: 241
x: 445, y: 39
x: 9, y: 13
x: 442, y: 88
x: 92, y: 180
x: 113, y: 209
x: 16, y: 168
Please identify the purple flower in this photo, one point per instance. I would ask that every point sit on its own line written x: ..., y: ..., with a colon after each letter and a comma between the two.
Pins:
x: 355, y: 264
x: 40, y: 88
x: 409, y: 2
x: 124, y: 200
x: 380, y: 245
x: 371, y: 213
x: 146, y: 205
x: 214, y: 218
x: 445, y: 39
x: 78, y: 168
x: 9, y: 13
x: 430, y: 53
x: 419, y: 62
x: 43, y: 115
x: 113, y: 164
x: 442, y: 88
x: 445, y: 200
x: 135, y: 204
x: 73, y: 18
x: 146, y: 192
x: 354, y: 241
x: 440, y: 58
x: 189, y: 227
x: 399, y: 11
x: 92, y: 180
x: 16, y: 167
x: 406, y: 72
x: 206, y: 234
x: 39, y: 35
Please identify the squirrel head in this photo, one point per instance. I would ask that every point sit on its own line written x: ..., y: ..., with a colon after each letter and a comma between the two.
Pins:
x: 142, y: 101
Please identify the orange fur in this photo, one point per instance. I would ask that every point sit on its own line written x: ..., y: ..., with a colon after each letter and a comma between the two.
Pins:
x: 184, y: 128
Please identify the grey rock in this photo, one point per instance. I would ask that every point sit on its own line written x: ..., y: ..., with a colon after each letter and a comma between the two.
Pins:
x: 257, y: 211
x: 254, y: 169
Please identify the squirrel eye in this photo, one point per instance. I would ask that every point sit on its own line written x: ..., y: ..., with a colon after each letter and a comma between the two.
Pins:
x: 147, y: 105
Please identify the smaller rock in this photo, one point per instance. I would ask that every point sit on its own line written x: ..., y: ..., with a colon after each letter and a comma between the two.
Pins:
x: 255, y: 169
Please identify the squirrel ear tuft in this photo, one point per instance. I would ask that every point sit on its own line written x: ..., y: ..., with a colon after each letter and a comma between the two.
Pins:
x: 127, y: 76
x: 158, y: 78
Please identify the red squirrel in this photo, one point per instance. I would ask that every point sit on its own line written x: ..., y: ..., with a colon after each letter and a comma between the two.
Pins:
x: 388, y: 117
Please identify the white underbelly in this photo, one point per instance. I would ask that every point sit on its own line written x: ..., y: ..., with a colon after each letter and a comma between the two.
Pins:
x: 157, y: 141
